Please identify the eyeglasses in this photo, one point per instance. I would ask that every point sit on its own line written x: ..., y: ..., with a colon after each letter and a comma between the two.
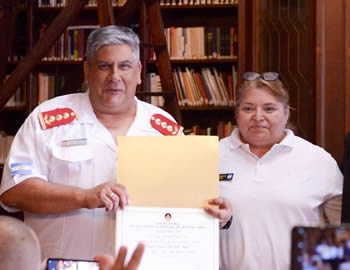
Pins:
x: 267, y: 76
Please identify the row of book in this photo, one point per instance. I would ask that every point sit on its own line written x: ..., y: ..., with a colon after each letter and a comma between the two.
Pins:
x: 201, y: 87
x: 222, y: 130
x: 200, y: 42
x: 46, y: 85
x: 153, y: 84
x: 116, y: 3
x: 205, y: 87
x: 70, y: 46
x: 5, y: 144
x: 49, y: 85
x: 63, y: 3
x: 18, y: 98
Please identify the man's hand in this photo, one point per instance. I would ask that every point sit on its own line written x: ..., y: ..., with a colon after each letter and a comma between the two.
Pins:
x: 106, y: 262
x: 109, y: 195
x: 224, y: 213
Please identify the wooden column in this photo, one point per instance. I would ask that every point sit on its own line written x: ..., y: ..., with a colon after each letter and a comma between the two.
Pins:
x: 347, y: 66
x: 330, y: 74
x: 105, y: 12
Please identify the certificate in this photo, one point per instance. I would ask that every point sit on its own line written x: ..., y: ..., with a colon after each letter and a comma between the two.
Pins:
x: 174, y: 238
x: 169, y: 179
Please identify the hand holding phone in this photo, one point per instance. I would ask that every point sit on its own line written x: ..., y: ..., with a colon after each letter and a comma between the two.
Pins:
x: 67, y: 264
x: 321, y: 247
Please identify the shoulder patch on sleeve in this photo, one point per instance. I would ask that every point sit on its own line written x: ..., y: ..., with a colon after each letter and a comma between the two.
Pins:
x: 56, y: 117
x: 164, y: 125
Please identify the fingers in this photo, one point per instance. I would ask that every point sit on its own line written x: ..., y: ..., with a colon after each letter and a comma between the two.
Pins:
x: 214, y: 212
x: 136, y: 257
x: 221, y: 202
x: 119, y: 262
x: 134, y: 261
x: 108, y: 199
x: 105, y: 262
x: 223, y: 213
x: 43, y: 264
x: 113, y: 195
x: 122, y: 193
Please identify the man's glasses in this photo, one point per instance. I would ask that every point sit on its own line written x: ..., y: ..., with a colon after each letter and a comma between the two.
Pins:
x: 267, y: 76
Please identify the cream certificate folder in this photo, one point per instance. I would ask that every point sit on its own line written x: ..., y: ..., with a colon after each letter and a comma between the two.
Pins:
x: 176, y: 176
x: 169, y: 171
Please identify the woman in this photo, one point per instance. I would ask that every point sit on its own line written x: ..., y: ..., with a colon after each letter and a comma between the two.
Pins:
x: 278, y: 181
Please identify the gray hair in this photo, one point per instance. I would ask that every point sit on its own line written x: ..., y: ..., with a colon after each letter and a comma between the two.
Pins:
x: 112, y: 35
x: 276, y: 88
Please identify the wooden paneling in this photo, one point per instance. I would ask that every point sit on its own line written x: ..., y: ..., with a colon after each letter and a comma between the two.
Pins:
x: 8, y: 18
x: 330, y: 75
x: 284, y: 42
x: 245, y: 37
x: 347, y: 66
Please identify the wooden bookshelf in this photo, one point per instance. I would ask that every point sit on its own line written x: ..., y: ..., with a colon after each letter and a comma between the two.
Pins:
x: 195, y: 15
x: 204, y: 16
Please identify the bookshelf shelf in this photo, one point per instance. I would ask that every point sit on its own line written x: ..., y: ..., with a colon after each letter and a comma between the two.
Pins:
x: 58, y: 9
x: 207, y: 108
x: 213, y: 61
x: 62, y: 62
x: 14, y: 108
x: 203, y: 47
x: 163, y: 7
x: 196, y: 6
x: 148, y: 93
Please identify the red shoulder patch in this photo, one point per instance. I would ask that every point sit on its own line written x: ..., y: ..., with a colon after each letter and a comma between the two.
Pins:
x: 57, y: 117
x: 165, y: 125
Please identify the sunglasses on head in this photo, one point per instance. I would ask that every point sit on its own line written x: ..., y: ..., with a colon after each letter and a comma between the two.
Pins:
x: 267, y: 76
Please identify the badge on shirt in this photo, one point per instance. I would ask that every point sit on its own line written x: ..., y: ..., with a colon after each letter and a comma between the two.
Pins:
x: 23, y: 168
x: 165, y: 125
x: 74, y: 142
x: 225, y: 176
x: 57, y: 117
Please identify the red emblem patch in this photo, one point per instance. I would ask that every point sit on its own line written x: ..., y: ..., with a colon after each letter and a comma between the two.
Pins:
x: 165, y: 125
x: 57, y: 117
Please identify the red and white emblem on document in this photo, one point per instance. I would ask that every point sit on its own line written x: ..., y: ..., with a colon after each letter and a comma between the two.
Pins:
x: 165, y: 125
x: 57, y: 117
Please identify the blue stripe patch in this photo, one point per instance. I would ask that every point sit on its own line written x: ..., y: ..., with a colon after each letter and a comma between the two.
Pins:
x: 22, y: 172
x: 22, y: 168
x: 23, y: 163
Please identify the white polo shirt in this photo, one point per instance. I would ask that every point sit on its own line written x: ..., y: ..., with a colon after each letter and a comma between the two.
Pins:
x: 83, y: 233
x: 270, y: 195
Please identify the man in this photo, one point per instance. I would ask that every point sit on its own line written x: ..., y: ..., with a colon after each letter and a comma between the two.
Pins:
x: 19, y: 246
x: 61, y: 168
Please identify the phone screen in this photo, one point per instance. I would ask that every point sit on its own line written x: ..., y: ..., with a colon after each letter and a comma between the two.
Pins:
x: 321, y: 248
x: 67, y: 264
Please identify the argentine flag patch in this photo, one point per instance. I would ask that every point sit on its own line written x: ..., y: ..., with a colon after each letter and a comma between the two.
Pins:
x: 22, y: 168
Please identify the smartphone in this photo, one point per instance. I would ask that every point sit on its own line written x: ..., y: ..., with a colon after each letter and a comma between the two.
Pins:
x: 321, y: 248
x: 67, y: 264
